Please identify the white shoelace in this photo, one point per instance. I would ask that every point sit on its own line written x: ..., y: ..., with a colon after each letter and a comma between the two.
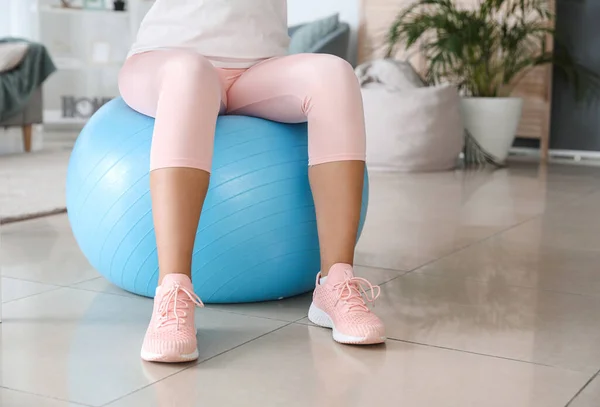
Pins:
x: 354, y: 291
x: 175, y: 314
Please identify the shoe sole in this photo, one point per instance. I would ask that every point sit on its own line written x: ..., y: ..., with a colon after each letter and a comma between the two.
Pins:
x: 159, y: 358
x: 320, y: 318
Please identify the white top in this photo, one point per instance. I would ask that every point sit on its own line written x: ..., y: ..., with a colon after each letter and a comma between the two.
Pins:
x: 230, y: 33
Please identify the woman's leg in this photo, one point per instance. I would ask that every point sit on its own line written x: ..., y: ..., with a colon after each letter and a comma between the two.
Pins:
x: 323, y: 90
x: 183, y: 92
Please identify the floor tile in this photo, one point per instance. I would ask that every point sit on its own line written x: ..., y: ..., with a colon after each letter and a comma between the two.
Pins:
x: 557, y: 232
x: 290, y: 309
x: 102, y: 285
x: 508, y: 259
x: 590, y: 396
x: 13, y: 289
x: 43, y: 250
x: 582, y: 213
x: 83, y: 346
x: 11, y: 398
x: 300, y: 366
x: 579, y: 178
x: 408, y: 245
x: 494, y: 319
x: 416, y: 218
x: 293, y: 309
x: 509, y: 275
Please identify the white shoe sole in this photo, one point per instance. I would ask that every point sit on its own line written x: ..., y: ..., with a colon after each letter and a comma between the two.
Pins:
x: 157, y: 357
x: 320, y: 318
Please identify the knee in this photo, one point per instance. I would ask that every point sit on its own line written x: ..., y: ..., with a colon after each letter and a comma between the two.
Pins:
x: 189, y: 68
x: 330, y: 70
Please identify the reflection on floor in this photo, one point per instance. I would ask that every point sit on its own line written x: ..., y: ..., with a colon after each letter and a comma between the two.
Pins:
x: 490, y: 292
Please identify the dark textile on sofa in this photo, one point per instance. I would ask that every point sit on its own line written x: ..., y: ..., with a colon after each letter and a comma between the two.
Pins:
x: 17, y: 85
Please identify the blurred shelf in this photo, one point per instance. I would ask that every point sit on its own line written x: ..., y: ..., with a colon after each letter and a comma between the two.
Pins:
x: 55, y: 117
x: 89, y: 47
x: 79, y: 11
x: 75, y: 64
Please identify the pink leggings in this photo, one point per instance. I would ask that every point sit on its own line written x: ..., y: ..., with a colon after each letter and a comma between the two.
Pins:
x: 185, y: 93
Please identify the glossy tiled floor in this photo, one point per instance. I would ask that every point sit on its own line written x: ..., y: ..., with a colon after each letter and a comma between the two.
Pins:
x: 490, y: 292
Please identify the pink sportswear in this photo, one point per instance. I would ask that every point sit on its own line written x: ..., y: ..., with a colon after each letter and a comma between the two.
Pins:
x: 186, y: 93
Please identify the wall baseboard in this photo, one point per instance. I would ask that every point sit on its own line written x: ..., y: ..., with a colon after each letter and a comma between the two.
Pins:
x: 11, y: 140
x: 575, y: 156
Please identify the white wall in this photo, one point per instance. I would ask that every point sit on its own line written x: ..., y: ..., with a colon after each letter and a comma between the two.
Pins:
x: 16, y: 18
x: 4, y: 18
x: 300, y: 11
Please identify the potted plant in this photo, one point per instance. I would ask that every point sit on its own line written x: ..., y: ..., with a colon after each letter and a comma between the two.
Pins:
x: 486, y: 51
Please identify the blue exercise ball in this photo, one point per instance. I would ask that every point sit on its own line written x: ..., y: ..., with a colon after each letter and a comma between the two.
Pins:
x: 257, y: 238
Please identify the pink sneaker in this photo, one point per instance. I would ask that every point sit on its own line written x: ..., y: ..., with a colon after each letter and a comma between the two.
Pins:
x: 171, y: 335
x: 338, y: 304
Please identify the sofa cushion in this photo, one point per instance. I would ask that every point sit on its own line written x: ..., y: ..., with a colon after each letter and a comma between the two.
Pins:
x: 305, y: 37
x: 11, y: 55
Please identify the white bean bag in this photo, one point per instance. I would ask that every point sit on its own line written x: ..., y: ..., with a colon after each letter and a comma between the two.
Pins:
x: 412, y: 129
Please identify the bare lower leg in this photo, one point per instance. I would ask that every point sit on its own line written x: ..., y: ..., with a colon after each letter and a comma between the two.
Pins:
x: 177, y: 198
x: 337, y: 191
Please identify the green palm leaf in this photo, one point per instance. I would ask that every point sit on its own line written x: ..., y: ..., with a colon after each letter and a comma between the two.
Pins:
x: 487, y: 50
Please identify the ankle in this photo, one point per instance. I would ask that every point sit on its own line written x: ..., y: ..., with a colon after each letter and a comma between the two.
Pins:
x: 162, y: 276
x: 326, y: 267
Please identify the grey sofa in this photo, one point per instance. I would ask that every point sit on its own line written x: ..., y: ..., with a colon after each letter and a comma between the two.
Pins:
x: 26, y: 118
x: 335, y: 43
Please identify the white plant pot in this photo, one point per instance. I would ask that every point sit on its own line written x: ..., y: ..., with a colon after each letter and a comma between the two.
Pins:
x: 493, y: 122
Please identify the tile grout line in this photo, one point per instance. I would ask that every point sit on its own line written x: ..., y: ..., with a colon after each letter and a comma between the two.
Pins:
x: 128, y: 296
x: 402, y: 272
x: 54, y: 284
x: 484, y: 355
x: 197, y: 364
x: 45, y: 397
x: 90, y: 279
x: 284, y: 322
x: 89, y: 290
x: 382, y: 284
x: 462, y: 248
x: 297, y: 322
x: 206, y: 307
x: 499, y: 232
x: 255, y: 316
x: 469, y: 245
x: 594, y: 376
x: 477, y: 280
x: 54, y: 288
x: 31, y: 281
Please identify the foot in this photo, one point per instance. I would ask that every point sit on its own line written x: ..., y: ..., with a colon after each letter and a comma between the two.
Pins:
x: 338, y: 304
x: 171, y: 335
